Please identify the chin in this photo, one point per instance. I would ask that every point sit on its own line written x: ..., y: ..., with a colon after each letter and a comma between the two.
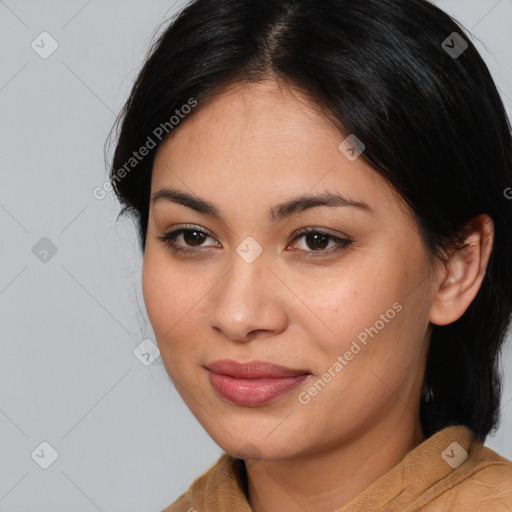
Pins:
x: 254, y: 443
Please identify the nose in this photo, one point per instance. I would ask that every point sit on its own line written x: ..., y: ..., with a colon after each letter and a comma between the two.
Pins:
x: 248, y: 302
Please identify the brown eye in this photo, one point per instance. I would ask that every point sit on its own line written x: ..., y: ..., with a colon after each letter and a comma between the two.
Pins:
x: 185, y: 239
x: 316, y: 241
x: 194, y: 238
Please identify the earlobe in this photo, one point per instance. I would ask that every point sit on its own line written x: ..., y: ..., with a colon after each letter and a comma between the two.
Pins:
x: 463, y: 273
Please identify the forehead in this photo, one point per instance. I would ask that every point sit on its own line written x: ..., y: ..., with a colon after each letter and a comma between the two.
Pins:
x: 263, y: 140
x: 250, y: 117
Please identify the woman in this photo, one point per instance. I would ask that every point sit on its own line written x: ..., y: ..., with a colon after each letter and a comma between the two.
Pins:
x: 320, y: 189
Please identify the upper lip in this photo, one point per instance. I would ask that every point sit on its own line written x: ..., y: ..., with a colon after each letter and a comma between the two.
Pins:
x: 252, y: 369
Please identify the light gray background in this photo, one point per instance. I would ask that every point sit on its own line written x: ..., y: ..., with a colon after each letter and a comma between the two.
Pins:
x: 68, y: 375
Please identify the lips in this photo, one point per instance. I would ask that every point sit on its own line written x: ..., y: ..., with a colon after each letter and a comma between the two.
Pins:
x: 254, y: 383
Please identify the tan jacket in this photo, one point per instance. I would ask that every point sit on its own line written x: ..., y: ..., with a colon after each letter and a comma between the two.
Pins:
x: 449, y: 472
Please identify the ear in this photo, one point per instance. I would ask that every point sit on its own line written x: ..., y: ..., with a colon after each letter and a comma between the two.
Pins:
x: 464, y: 272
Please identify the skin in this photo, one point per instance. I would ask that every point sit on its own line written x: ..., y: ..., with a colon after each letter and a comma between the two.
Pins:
x: 293, y: 310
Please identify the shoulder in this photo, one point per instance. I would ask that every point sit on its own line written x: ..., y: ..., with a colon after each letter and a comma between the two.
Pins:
x: 182, y: 504
x: 484, y: 483
x: 491, y: 478
x: 216, y: 478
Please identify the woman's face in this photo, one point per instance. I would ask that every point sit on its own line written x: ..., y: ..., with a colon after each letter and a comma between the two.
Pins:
x: 351, y: 317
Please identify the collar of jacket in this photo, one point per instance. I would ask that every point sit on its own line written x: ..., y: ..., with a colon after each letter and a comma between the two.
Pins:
x: 441, y: 462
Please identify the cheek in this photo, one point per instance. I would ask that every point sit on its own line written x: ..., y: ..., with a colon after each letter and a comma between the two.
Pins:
x: 341, y: 306
x: 368, y: 316
x: 174, y: 308
x: 157, y: 291
x: 168, y: 295
x: 164, y: 297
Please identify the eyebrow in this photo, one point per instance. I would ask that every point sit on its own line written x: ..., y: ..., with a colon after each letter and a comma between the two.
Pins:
x: 275, y: 213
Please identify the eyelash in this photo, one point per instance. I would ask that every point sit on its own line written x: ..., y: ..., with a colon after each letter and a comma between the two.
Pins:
x: 342, y: 243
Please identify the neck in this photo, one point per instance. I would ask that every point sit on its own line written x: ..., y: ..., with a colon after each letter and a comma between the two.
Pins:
x: 328, y: 480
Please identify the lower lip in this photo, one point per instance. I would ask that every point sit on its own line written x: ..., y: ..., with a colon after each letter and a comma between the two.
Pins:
x: 253, y: 392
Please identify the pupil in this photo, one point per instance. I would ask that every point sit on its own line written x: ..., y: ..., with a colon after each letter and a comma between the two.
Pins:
x: 318, y: 239
x: 197, y: 238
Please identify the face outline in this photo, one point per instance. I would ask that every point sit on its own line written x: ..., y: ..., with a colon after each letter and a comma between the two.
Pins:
x: 285, y: 308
